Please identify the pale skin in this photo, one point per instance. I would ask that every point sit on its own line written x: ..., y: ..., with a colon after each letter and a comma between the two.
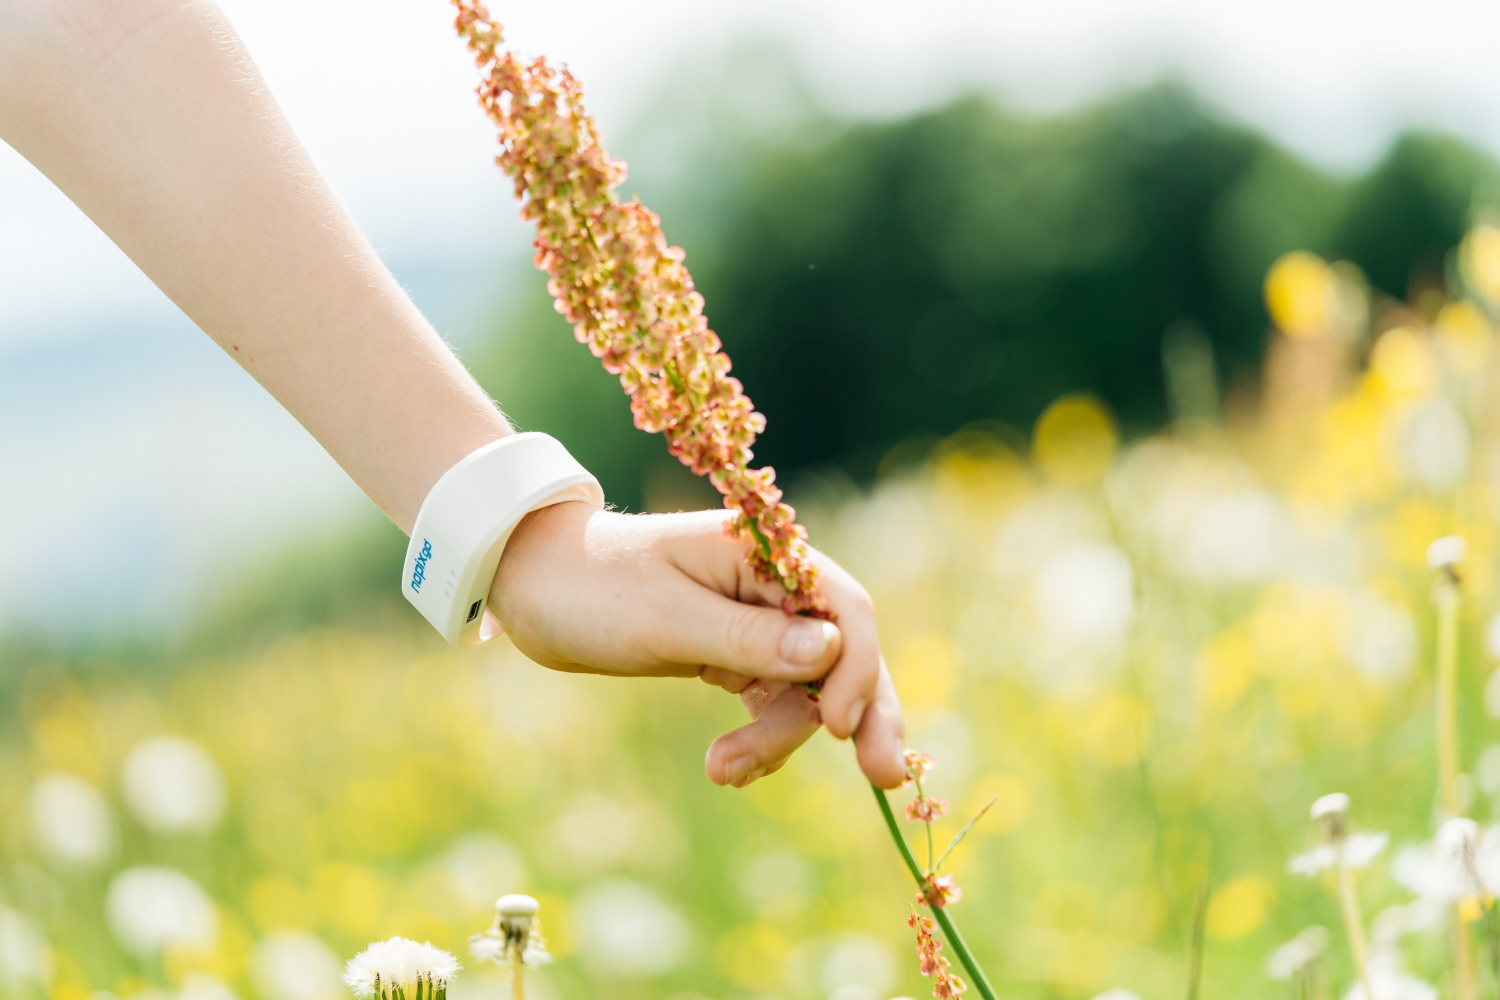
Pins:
x: 152, y: 118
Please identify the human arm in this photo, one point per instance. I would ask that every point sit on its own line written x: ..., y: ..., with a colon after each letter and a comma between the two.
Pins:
x: 151, y: 116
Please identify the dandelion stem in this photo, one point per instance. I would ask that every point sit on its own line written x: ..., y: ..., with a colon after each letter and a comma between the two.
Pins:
x: 1195, y: 946
x: 963, y: 833
x: 1446, y: 597
x: 517, y: 973
x: 955, y: 940
x: 1354, y: 925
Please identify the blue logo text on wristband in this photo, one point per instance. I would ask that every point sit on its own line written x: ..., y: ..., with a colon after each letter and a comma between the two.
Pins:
x: 419, y: 572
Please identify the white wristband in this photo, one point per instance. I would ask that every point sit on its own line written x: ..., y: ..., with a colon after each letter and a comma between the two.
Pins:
x: 467, y: 518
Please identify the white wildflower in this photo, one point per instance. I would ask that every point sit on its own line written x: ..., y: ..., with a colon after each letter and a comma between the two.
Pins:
x: 1446, y: 553
x: 628, y: 930
x: 1361, y: 848
x: 1332, y: 804
x: 1314, y: 861
x: 71, y: 820
x: 291, y: 965
x: 1390, y: 981
x: 1340, y: 847
x: 150, y: 909
x: 1117, y: 994
x: 1454, y: 864
x: 172, y: 785
x: 517, y: 930
x: 201, y: 986
x: 1298, y: 953
x: 400, y: 964
x: 1398, y: 920
x: 24, y: 955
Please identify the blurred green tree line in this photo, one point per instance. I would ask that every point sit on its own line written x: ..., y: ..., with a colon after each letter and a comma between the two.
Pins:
x: 905, y: 279
x: 887, y: 283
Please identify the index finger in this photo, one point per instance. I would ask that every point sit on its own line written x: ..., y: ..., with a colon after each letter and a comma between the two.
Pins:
x: 850, y: 686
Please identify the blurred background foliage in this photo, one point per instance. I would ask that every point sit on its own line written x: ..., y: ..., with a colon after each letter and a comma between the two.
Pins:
x: 1142, y: 496
x: 889, y: 282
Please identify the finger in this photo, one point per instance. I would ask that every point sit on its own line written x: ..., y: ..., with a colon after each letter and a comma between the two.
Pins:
x: 727, y: 679
x: 850, y: 687
x: 879, y: 744
x: 747, y: 639
x: 784, y: 723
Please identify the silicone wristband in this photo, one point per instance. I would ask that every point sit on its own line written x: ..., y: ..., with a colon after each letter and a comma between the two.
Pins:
x: 466, y: 520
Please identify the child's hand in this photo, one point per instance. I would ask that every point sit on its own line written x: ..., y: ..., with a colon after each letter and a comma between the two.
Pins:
x: 669, y: 595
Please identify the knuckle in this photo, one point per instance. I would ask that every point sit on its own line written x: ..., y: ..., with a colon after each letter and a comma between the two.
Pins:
x: 742, y: 634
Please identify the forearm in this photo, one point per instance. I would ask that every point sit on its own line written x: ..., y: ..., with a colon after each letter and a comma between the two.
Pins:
x: 151, y: 117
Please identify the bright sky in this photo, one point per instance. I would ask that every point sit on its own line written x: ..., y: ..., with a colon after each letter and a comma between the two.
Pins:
x: 203, y: 469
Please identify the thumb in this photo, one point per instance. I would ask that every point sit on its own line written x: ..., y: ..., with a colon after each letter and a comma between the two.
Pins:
x: 749, y: 639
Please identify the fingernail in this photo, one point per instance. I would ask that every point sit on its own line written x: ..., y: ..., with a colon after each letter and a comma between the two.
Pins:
x: 806, y: 640
x: 752, y: 776
x: 738, y: 768
x: 856, y: 712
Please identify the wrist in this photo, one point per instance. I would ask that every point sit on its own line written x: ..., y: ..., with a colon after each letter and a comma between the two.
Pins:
x: 540, y: 532
x: 469, y: 518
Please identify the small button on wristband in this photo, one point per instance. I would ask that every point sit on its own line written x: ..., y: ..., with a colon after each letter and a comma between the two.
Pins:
x: 467, y: 518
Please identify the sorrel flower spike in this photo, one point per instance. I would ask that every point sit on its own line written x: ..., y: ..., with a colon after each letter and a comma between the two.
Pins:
x: 631, y: 299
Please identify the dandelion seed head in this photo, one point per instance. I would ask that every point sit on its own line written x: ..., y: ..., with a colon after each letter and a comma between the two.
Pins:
x: 71, y: 820
x: 399, y: 963
x: 24, y: 955
x: 1362, y: 848
x: 1298, y: 953
x: 151, y: 908
x: 1389, y: 980
x: 1446, y: 553
x: 516, y: 905
x: 1314, y: 861
x: 1458, y: 833
x: 1333, y: 804
x: 173, y: 785
x: 487, y: 947
x: 292, y: 965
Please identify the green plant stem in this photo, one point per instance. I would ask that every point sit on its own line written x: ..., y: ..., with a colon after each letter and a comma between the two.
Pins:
x: 962, y: 833
x: 1446, y: 595
x: 955, y: 940
x: 1354, y: 923
x: 1195, y: 947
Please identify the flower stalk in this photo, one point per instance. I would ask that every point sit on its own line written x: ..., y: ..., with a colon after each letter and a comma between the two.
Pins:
x: 514, y: 939
x: 1444, y: 557
x: 939, y: 913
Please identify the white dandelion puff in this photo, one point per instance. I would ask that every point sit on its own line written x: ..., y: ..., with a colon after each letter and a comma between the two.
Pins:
x: 291, y: 965
x: 1332, y: 804
x: 172, y: 785
x: 1298, y: 954
x: 71, y: 820
x: 150, y: 909
x: 1389, y: 980
x: 24, y: 955
x: 400, y: 964
x: 1456, y: 863
x: 1362, y: 848
x: 516, y: 933
x: 1446, y: 552
x: 1312, y: 862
